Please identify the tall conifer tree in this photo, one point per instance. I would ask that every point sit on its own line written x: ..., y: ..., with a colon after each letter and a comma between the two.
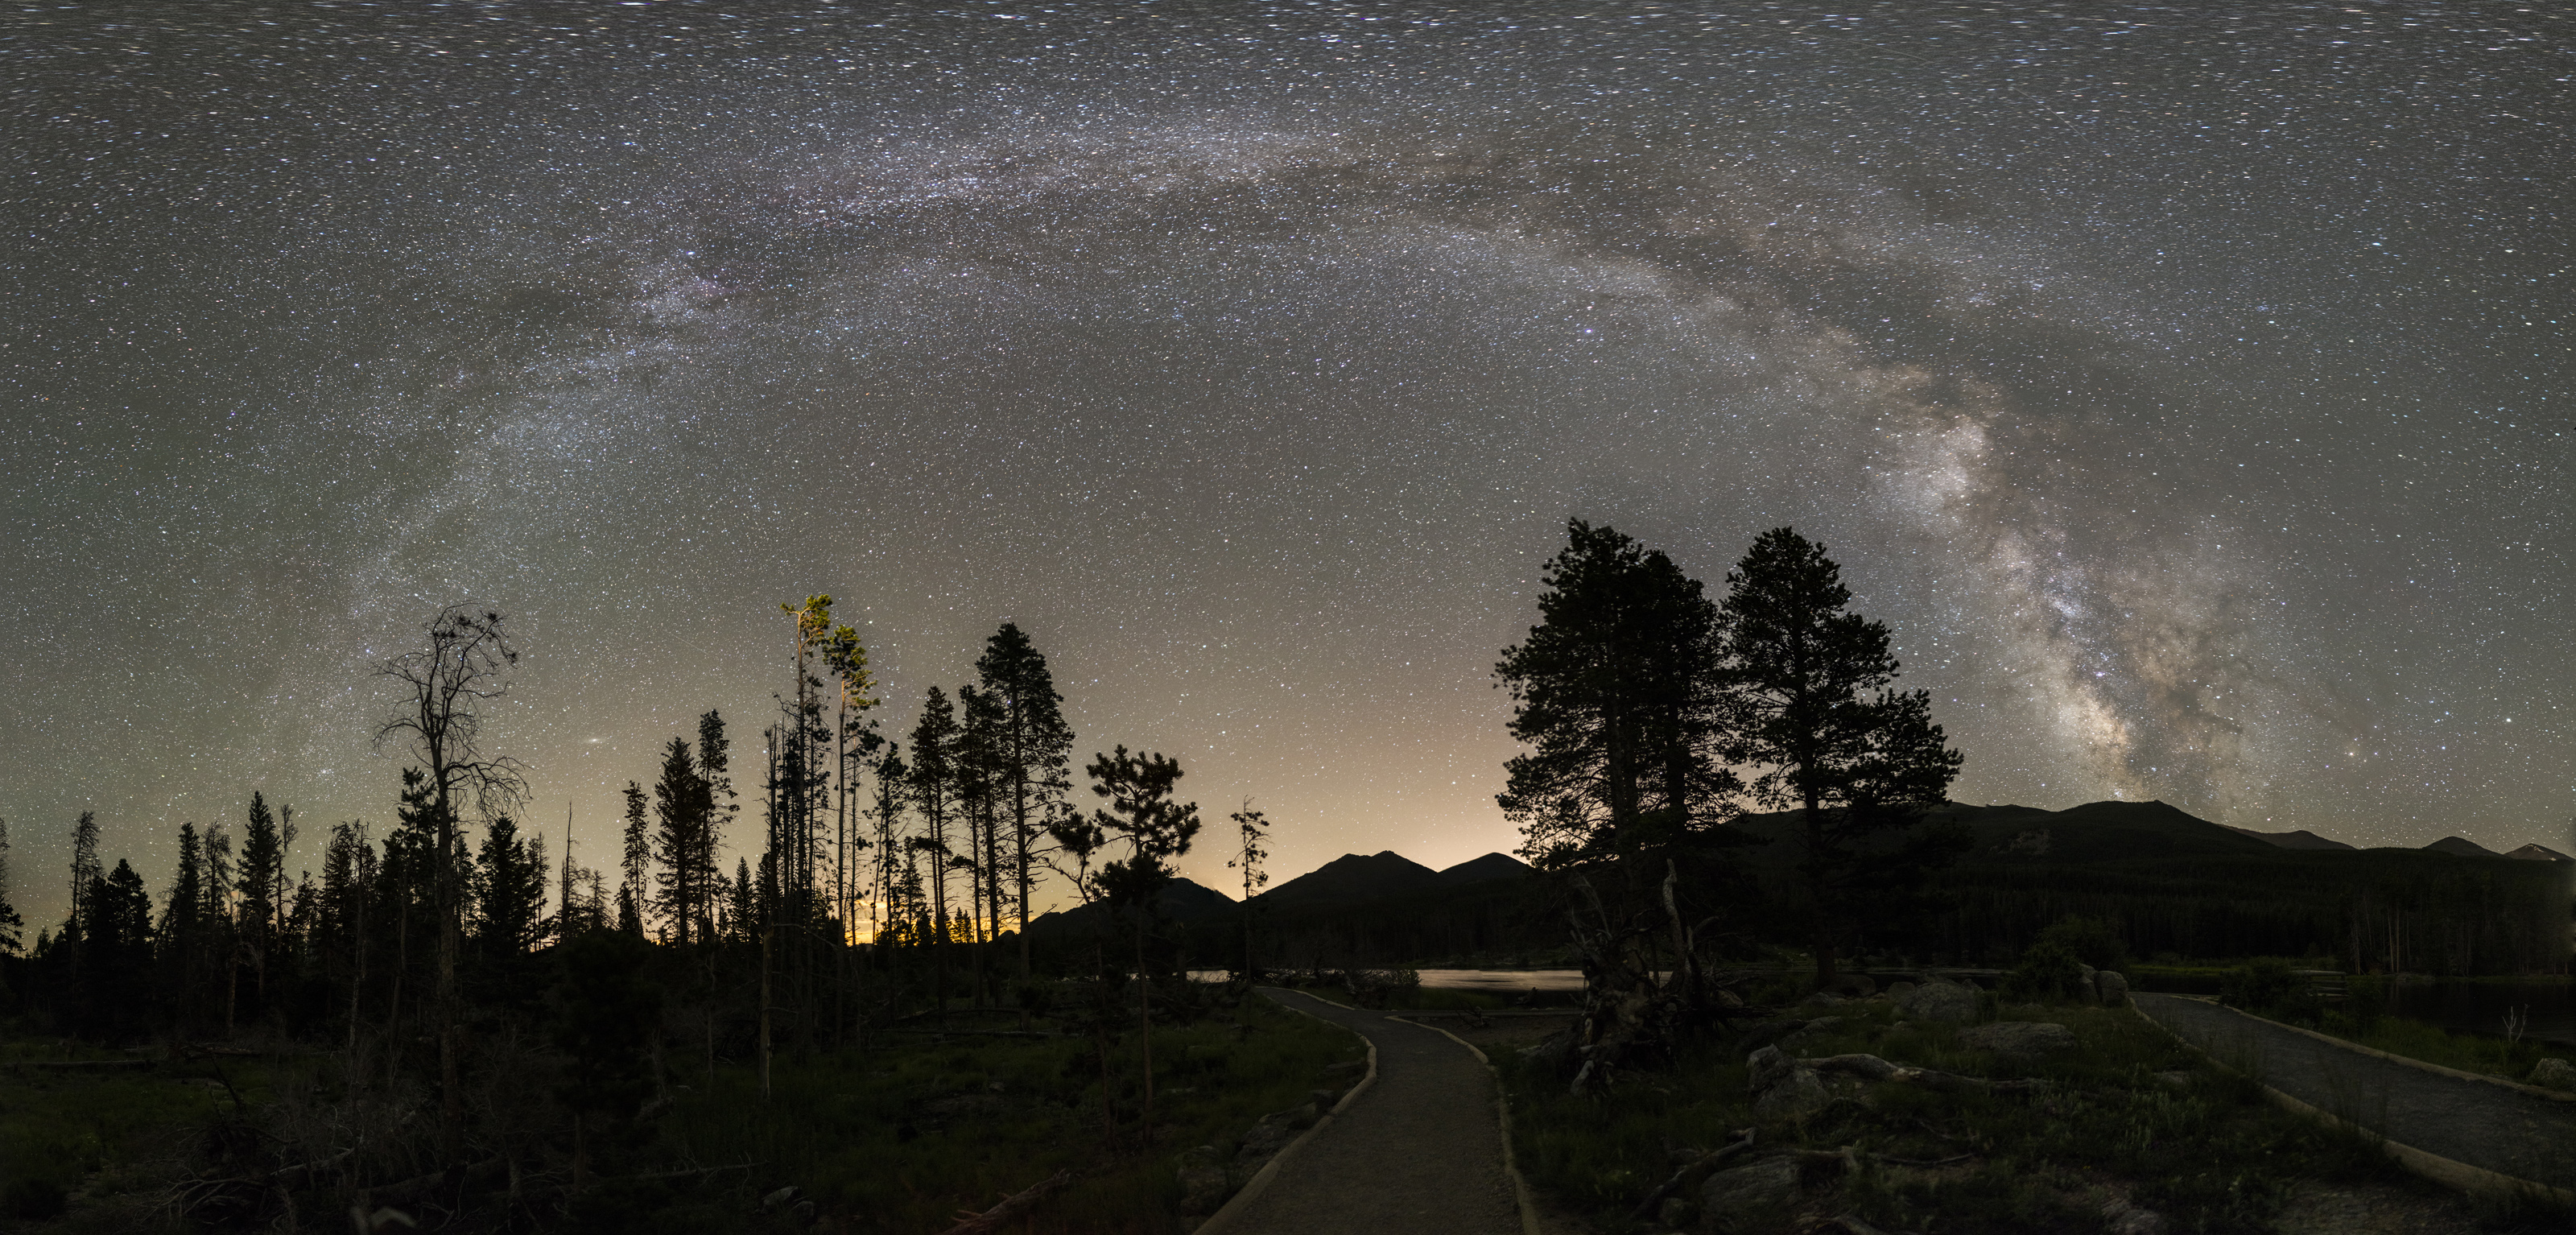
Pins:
x: 1033, y: 756
x: 1860, y: 763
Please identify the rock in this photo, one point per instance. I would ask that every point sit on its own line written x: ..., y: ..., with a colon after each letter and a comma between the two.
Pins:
x: 1723, y: 998
x: 1779, y: 1086
x: 2018, y: 1040
x: 1767, y: 1067
x: 1898, y: 990
x: 2122, y: 1218
x: 1800, y: 1093
x: 1676, y: 1213
x: 2112, y: 986
x: 2554, y: 1074
x: 2174, y: 1080
x: 1821, y: 999
x: 2085, y: 991
x: 1263, y: 1140
x: 1796, y: 1040
x: 1324, y: 1098
x: 1728, y: 1194
x: 1942, y: 1001
x: 781, y: 1197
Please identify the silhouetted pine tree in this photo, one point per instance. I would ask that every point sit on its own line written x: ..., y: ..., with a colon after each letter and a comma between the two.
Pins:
x: 634, y: 860
x: 1859, y: 762
x: 12, y: 923
x: 933, y: 782
x: 1033, y: 753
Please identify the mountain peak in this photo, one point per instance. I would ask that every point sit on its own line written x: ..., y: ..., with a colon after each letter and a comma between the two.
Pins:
x: 2462, y: 847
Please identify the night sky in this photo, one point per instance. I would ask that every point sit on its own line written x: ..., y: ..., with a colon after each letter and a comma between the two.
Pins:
x: 2188, y: 388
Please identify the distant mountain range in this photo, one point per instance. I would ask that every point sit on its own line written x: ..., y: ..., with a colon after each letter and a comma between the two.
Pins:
x: 1350, y: 879
x: 1353, y: 877
x: 2118, y: 831
x: 2304, y: 839
x: 2001, y: 836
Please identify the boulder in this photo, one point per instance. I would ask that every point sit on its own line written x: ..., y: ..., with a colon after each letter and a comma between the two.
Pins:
x: 2019, y: 1040
x: 2122, y: 1218
x: 1731, y: 1193
x: 1899, y: 990
x: 1822, y: 999
x: 1779, y: 1086
x: 2554, y: 1074
x: 1800, y: 1093
x: 1677, y: 1211
x: 1724, y: 998
x: 1937, y: 1000
x: 2084, y: 989
x: 1797, y: 1040
x: 1767, y: 1067
x: 2112, y: 986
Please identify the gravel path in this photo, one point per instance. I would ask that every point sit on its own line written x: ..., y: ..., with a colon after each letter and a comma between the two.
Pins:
x: 1421, y: 1152
x: 2483, y: 1125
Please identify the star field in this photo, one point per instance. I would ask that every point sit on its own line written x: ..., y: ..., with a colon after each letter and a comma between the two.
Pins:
x: 2187, y: 387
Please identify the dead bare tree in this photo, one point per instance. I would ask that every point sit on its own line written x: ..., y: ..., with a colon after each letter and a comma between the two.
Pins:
x: 462, y: 665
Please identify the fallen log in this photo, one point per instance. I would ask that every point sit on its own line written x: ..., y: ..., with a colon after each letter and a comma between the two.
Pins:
x: 1012, y: 1206
x: 1873, y: 1068
x: 1742, y: 1144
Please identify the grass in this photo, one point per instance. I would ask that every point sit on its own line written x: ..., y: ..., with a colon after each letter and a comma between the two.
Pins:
x: 895, y: 1138
x: 900, y: 1139
x: 2202, y: 1148
x: 2485, y: 1054
x: 106, y: 1136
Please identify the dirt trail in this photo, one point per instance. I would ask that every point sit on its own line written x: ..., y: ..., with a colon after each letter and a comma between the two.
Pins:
x: 2488, y: 1126
x: 1420, y: 1152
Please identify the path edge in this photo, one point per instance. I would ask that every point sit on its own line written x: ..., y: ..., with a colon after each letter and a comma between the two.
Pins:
x: 1502, y: 1109
x: 2426, y: 1065
x: 2448, y: 1172
x: 1252, y: 1188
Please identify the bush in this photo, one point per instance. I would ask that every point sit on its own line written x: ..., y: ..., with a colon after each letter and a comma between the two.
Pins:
x: 2049, y: 971
x: 2270, y: 987
x: 2090, y: 940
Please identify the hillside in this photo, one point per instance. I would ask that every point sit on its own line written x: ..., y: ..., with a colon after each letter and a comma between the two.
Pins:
x: 1351, y: 878
x: 2301, y: 839
x: 1182, y: 900
x: 2180, y: 884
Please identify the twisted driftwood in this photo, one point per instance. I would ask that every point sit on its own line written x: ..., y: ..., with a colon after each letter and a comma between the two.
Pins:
x: 1742, y: 1144
x: 1873, y: 1068
x: 1012, y: 1206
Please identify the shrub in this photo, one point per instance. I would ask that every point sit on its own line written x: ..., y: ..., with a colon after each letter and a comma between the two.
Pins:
x: 2090, y: 940
x: 2048, y: 970
x: 2269, y: 986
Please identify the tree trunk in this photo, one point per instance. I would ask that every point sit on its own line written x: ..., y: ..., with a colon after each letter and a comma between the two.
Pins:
x: 1145, y: 1024
x: 1823, y: 936
x: 767, y: 937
